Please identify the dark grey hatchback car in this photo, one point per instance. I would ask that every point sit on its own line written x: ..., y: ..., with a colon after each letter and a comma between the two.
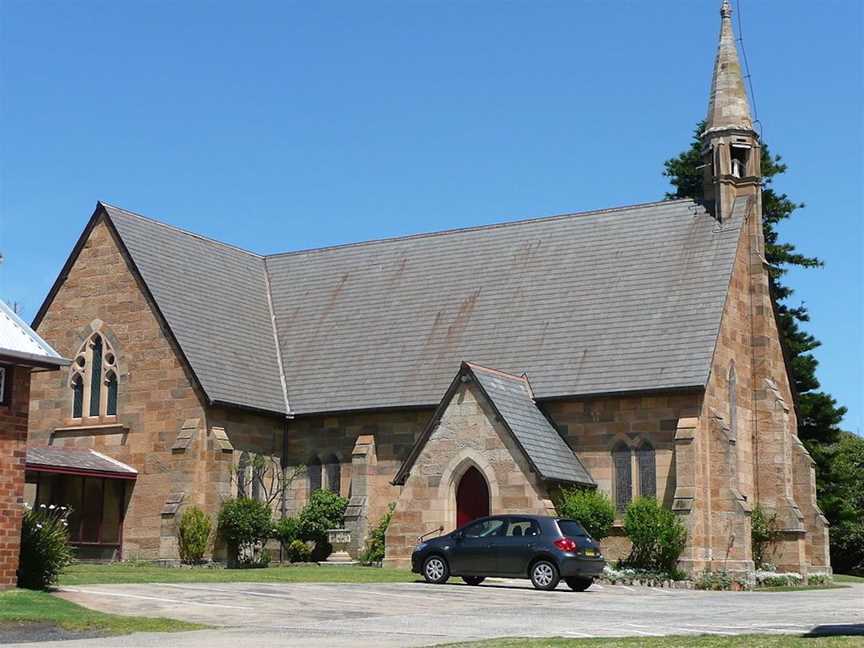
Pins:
x: 544, y: 549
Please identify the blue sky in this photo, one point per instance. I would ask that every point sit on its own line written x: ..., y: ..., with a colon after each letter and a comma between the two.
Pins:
x: 285, y: 125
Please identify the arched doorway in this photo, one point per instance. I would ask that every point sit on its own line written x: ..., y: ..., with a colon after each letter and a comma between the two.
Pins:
x: 472, y: 497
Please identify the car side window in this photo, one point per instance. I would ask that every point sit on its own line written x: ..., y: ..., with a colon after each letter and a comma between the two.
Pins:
x: 485, y: 529
x: 521, y: 528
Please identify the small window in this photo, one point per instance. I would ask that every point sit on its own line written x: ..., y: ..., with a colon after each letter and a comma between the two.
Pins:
x: 739, y: 160
x: 77, y: 397
x: 242, y: 478
x: 96, y: 376
x: 485, y: 529
x: 333, y: 471
x: 733, y: 402
x: 313, y: 469
x: 5, y: 385
x: 647, y: 470
x: 623, y: 476
x: 111, y: 394
x: 258, y: 478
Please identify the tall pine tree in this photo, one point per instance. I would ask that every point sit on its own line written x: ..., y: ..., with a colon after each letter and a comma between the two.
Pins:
x: 819, y: 416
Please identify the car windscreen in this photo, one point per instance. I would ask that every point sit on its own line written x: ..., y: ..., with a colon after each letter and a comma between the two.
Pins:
x: 571, y: 528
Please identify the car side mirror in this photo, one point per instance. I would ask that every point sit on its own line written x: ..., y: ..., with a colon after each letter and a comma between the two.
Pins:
x: 459, y: 536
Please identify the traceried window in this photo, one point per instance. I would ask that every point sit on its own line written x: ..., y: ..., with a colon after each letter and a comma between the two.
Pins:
x: 647, y: 470
x: 93, y: 379
x: 623, y: 476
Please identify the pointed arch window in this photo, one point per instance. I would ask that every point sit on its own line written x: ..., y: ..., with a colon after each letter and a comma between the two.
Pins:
x: 313, y: 469
x: 733, y: 402
x: 93, y: 379
x: 623, y: 476
x: 242, y: 478
x: 77, y: 396
x: 647, y: 470
x: 333, y: 472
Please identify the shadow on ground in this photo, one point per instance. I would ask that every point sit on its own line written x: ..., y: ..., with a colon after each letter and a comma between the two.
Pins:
x: 838, y: 630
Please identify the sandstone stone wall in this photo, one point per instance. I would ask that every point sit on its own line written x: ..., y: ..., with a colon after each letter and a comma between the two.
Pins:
x: 467, y: 435
x: 157, y: 394
x: 13, y: 437
x: 394, y: 434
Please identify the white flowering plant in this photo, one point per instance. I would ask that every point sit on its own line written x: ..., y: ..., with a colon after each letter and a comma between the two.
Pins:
x: 45, y: 550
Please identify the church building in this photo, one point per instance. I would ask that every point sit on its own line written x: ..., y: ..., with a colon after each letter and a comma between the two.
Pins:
x: 454, y: 374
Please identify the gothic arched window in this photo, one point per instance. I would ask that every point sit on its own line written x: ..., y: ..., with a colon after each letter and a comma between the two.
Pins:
x: 333, y: 471
x: 93, y: 379
x: 258, y: 478
x: 623, y: 476
x: 733, y: 402
x: 242, y: 479
x: 313, y: 468
x: 77, y: 396
x: 647, y: 470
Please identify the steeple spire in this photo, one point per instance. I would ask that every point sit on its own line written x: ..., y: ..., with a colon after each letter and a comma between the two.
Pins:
x: 728, y: 107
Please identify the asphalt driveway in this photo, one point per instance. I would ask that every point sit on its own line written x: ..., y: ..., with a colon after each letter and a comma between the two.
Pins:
x: 416, y: 614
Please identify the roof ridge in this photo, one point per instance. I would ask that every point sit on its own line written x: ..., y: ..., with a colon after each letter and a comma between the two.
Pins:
x: 207, y: 239
x: 473, y: 228
x: 474, y: 365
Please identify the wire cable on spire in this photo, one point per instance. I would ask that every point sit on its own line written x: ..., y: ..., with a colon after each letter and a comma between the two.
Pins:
x: 747, y: 74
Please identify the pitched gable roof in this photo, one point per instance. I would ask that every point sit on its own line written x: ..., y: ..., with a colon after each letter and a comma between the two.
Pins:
x: 513, y: 403
x: 619, y: 300
x: 611, y: 301
x: 215, y: 298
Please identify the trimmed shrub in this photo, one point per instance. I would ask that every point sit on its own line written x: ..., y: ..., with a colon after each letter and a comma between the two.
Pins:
x: 286, y: 531
x: 325, y: 510
x: 193, y: 535
x: 716, y: 581
x: 298, y: 551
x: 45, y: 550
x: 245, y: 524
x: 375, y: 543
x: 657, y: 535
x: 764, y: 533
x: 775, y: 579
x: 592, y: 508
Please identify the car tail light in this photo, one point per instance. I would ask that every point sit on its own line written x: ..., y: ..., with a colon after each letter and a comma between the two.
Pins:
x: 565, y: 544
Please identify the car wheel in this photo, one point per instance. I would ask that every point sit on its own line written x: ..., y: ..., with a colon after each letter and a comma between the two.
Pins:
x: 579, y: 584
x: 435, y: 570
x: 544, y: 575
x: 473, y: 580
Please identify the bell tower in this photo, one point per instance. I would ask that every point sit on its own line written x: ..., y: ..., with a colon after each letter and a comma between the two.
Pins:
x: 730, y: 147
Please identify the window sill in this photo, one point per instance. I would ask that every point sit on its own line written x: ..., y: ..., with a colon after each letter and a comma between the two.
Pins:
x: 86, y: 429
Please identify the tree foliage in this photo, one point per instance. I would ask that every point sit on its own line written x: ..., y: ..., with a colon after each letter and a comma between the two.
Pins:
x: 591, y: 508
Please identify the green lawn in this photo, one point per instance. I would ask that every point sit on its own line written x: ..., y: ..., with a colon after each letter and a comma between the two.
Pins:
x: 742, y: 641
x: 86, y: 574
x: 845, y: 578
x: 25, y: 606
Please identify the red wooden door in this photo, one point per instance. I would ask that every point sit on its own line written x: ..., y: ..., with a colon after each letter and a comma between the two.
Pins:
x: 472, y: 497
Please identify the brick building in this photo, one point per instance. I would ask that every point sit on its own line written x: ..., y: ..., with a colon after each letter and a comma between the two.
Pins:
x: 21, y: 352
x: 631, y: 349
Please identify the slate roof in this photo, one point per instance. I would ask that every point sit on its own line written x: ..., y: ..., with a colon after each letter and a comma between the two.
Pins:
x: 618, y: 300
x: 21, y: 344
x: 215, y: 299
x: 512, y: 400
x: 548, y: 452
x: 77, y: 461
x: 611, y: 301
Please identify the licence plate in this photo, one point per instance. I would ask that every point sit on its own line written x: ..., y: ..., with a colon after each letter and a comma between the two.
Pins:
x: 590, y: 552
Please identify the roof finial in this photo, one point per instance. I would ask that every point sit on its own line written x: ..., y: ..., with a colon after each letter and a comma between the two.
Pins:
x: 726, y: 9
